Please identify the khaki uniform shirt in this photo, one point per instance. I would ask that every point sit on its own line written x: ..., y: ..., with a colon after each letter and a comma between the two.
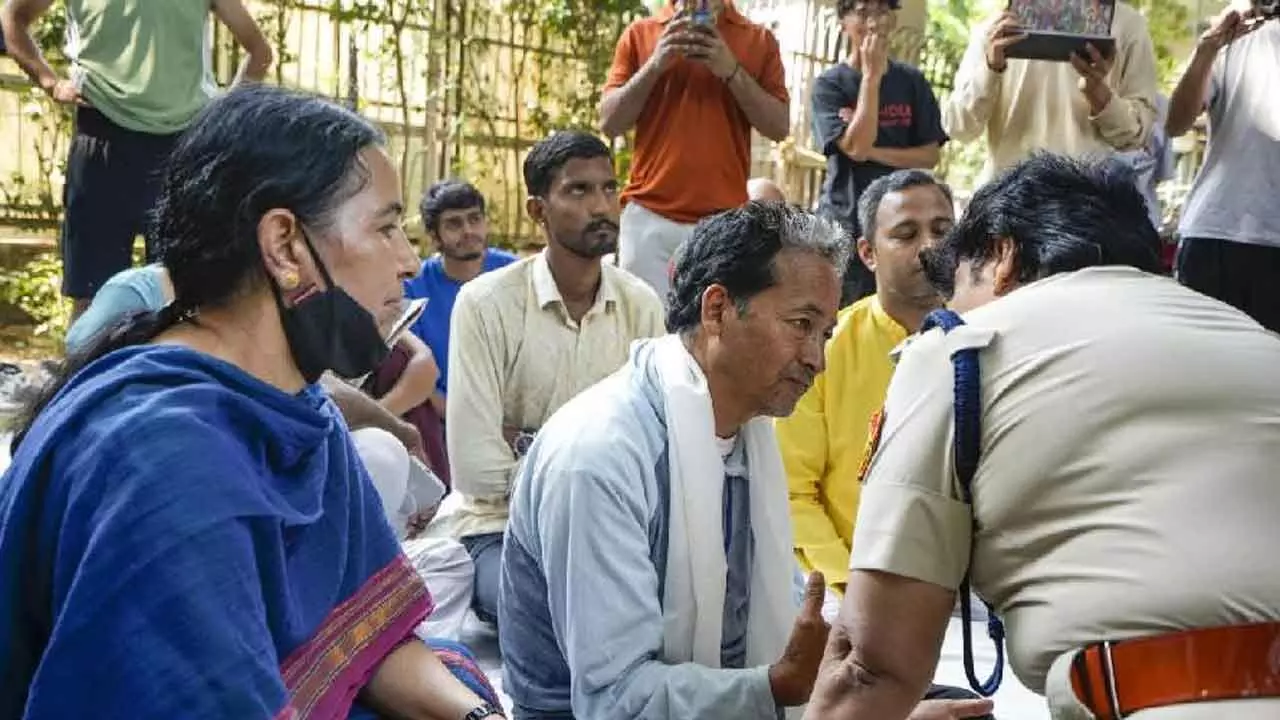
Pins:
x: 1130, y: 472
x: 515, y: 356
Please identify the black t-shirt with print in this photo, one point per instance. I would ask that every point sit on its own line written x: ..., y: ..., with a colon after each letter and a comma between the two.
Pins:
x: 909, y: 117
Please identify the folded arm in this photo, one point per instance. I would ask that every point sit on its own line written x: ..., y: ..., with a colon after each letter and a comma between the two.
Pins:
x: 922, y: 156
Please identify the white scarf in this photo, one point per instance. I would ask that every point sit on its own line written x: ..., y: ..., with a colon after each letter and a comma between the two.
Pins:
x: 693, y: 601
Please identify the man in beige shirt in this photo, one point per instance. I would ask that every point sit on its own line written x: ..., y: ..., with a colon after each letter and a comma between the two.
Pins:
x: 528, y: 337
x: 1090, y: 106
x: 1123, y: 503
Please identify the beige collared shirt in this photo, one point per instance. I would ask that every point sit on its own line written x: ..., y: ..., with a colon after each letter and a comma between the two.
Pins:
x: 515, y: 356
x: 1038, y: 105
x: 1128, y: 478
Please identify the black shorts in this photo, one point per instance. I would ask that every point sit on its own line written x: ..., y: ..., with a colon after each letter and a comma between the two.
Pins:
x: 113, y: 176
x: 1240, y: 274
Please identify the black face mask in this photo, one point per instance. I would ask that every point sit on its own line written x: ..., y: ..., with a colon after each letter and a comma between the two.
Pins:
x: 329, y: 330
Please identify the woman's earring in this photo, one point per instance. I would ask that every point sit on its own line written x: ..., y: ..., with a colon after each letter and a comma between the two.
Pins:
x: 289, y: 280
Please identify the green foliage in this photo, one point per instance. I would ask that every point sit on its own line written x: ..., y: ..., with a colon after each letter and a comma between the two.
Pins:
x: 1169, y: 22
x: 36, y: 289
x: 33, y: 200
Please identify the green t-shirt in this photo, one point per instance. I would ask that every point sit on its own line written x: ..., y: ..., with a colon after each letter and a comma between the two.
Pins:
x: 143, y: 63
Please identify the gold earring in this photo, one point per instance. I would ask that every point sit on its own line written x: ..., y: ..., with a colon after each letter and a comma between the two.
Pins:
x: 289, y: 281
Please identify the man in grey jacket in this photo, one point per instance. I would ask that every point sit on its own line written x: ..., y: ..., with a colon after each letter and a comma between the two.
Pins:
x: 647, y: 564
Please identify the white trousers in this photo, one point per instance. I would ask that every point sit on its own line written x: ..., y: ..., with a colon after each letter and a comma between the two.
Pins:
x: 443, y: 563
x: 647, y: 242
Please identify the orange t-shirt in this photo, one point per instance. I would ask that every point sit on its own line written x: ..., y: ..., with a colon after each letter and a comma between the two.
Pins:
x: 693, y: 143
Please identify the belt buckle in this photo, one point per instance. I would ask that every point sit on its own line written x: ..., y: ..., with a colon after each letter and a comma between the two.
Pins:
x: 1109, y: 677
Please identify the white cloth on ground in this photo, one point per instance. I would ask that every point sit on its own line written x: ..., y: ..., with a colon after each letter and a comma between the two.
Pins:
x: 406, y: 487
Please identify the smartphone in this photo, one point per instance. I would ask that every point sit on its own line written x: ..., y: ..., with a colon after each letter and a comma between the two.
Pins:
x: 412, y: 311
x: 702, y: 15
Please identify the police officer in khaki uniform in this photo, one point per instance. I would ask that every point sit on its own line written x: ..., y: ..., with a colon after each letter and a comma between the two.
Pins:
x: 1112, y: 493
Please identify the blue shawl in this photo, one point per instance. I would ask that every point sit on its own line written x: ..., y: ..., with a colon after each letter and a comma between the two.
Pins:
x: 181, y: 539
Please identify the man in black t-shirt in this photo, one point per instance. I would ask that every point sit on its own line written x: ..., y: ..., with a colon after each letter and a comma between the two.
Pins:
x: 870, y: 129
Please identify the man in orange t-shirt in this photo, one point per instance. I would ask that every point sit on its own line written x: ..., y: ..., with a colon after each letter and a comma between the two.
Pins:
x: 693, y: 80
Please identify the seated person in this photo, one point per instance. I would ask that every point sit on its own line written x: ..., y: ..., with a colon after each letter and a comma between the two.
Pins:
x: 405, y: 384
x: 216, y: 536
x: 530, y: 336
x: 1094, y: 447
x: 453, y: 214
x: 148, y: 289
x: 619, y: 599
x: 404, y: 380
x: 824, y: 442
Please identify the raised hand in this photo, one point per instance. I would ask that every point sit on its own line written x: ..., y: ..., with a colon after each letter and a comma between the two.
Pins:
x: 875, y: 55
x: 709, y: 48
x: 1005, y: 31
x: 792, y: 677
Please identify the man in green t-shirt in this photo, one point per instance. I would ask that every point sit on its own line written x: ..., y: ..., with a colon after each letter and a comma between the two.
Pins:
x: 140, y: 72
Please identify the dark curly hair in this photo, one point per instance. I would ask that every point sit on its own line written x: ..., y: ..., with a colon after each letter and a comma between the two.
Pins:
x: 450, y: 194
x: 1062, y: 214
x: 738, y: 249
x: 255, y: 149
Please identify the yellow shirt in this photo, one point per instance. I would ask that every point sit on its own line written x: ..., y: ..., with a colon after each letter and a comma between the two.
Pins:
x: 823, y: 442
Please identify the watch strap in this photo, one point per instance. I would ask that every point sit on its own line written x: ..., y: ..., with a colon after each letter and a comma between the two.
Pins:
x: 486, y: 710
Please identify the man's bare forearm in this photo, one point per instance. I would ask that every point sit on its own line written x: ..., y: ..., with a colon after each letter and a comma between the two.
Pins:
x: 1187, y: 101
x: 253, y: 69
x: 620, y: 108
x: 766, y: 113
x: 860, y: 137
x: 859, y: 694
x: 924, y: 156
x: 21, y: 46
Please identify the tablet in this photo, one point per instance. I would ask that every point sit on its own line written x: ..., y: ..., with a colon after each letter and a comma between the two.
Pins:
x: 1057, y: 29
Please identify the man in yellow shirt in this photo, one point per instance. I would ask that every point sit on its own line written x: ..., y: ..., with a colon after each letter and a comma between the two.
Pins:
x: 825, y: 439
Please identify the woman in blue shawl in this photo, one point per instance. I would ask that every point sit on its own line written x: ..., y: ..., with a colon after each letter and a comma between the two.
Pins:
x: 185, y: 530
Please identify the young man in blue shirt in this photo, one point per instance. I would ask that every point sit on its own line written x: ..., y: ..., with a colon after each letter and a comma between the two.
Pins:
x: 871, y: 116
x: 453, y: 213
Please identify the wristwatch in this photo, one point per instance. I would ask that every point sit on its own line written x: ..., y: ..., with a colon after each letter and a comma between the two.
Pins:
x: 521, y: 443
x: 484, y: 711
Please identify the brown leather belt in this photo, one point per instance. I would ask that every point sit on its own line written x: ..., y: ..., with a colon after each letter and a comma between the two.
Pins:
x: 1115, y: 679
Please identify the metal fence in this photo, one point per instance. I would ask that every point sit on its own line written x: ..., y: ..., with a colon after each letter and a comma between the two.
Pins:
x: 459, y: 86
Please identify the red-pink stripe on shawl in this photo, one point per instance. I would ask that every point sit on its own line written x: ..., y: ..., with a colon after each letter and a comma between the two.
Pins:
x: 325, y: 673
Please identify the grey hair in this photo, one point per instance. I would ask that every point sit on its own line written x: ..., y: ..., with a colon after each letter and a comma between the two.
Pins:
x: 737, y: 249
